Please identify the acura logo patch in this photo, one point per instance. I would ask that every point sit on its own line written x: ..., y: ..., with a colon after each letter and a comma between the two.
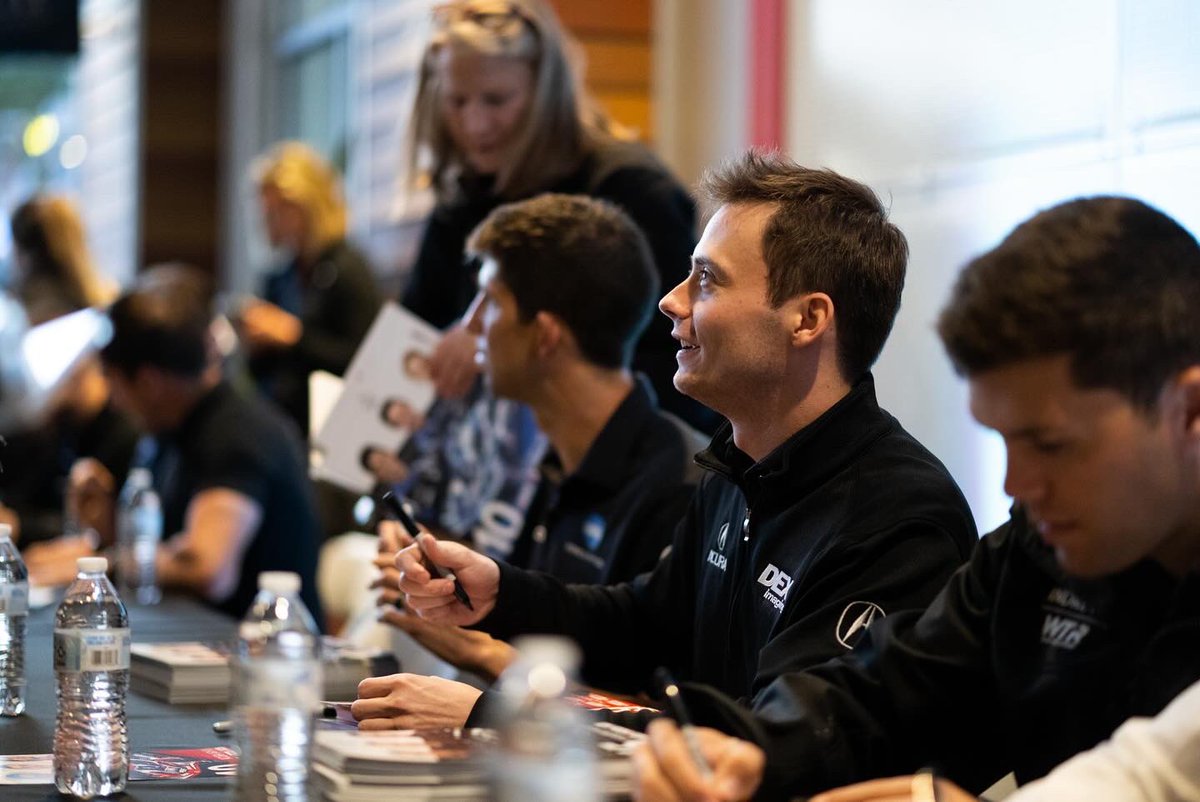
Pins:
x: 855, y: 619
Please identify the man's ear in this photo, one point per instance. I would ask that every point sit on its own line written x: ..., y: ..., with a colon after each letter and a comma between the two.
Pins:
x: 550, y: 333
x: 811, y: 318
x: 1187, y: 385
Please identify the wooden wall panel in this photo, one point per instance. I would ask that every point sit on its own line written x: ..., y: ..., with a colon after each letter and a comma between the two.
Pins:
x: 181, y: 131
x: 616, y: 37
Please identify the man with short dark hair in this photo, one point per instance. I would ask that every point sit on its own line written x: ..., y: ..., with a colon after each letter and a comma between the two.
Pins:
x: 818, y: 513
x: 1078, y: 338
x: 566, y: 287
x: 230, y: 470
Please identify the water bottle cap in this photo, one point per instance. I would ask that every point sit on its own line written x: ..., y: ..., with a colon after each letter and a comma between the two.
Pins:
x: 140, y: 475
x: 281, y: 582
x: 92, y: 565
x: 5, y: 531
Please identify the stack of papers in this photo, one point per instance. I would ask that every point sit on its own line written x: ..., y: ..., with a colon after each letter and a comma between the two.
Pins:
x: 197, y: 672
x: 358, y: 766
x: 192, y: 672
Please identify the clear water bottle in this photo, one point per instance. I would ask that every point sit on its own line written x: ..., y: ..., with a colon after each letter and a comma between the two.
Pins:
x: 139, y: 530
x: 91, y: 667
x: 14, y: 604
x: 276, y: 692
x: 546, y: 750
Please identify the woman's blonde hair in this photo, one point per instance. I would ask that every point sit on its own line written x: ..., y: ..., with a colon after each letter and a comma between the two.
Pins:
x: 301, y: 176
x: 49, y: 232
x: 562, y: 121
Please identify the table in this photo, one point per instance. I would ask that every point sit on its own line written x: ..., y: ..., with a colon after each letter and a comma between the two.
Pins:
x: 152, y: 724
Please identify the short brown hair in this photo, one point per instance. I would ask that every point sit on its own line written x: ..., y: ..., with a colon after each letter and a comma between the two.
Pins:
x: 1109, y: 281
x: 581, y: 259
x: 827, y: 234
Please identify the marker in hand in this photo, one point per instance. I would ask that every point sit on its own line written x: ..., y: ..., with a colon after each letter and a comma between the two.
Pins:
x: 670, y: 692
x: 397, y: 512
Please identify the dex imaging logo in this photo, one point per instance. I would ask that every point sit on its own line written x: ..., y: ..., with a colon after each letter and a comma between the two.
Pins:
x: 777, y: 584
x: 855, y: 619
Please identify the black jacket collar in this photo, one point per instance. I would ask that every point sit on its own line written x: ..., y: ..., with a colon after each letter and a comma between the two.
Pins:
x: 811, y: 455
x: 607, y: 459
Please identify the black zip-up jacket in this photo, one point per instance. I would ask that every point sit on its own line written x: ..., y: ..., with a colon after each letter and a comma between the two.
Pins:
x: 1014, y: 667
x: 776, y: 566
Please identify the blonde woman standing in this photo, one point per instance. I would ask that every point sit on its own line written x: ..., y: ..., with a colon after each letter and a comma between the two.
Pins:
x: 316, y: 309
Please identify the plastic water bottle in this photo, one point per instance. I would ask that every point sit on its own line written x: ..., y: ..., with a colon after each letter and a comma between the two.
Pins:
x: 14, y: 604
x: 91, y: 667
x: 276, y: 692
x: 139, y: 530
x: 546, y: 749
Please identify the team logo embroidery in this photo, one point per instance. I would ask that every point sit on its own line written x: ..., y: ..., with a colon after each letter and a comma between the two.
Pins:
x: 777, y: 584
x: 854, y: 620
x: 1067, y: 620
x: 593, y: 531
x: 715, y: 557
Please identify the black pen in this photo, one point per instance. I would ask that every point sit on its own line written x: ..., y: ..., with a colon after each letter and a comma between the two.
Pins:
x: 678, y: 711
x: 397, y: 512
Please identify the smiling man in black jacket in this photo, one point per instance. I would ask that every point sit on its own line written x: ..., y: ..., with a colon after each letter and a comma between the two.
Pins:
x: 819, y: 512
x: 1079, y: 338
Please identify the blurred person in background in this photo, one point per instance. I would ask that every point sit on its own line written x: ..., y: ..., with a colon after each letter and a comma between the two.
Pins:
x: 316, y: 309
x: 233, y: 505
x: 500, y: 116
x: 54, y: 272
x: 54, y: 275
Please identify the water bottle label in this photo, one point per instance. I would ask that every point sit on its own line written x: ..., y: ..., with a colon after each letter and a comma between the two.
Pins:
x: 80, y: 650
x: 14, y: 598
x: 281, y: 683
x: 146, y: 523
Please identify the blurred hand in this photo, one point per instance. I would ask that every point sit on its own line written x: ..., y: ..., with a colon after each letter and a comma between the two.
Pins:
x: 452, y: 363
x: 433, y: 599
x: 91, y: 497
x: 264, y: 326
x: 403, y: 701
x: 52, y: 562
x: 392, y: 538
x: 664, y: 770
x: 386, y: 467
x: 401, y: 415
x: 915, y: 788
x: 467, y: 649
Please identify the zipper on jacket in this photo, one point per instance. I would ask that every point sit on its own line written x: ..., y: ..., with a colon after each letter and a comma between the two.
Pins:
x: 743, y: 553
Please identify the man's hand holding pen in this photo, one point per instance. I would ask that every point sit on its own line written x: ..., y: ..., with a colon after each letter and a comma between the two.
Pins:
x: 434, y: 599
x: 664, y: 768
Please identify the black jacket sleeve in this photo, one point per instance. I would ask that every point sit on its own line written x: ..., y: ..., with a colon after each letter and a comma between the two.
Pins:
x: 917, y: 689
x: 625, y: 631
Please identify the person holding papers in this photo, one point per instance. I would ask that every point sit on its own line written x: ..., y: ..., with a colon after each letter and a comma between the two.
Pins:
x: 1081, y: 348
x: 818, y: 513
x: 565, y: 288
